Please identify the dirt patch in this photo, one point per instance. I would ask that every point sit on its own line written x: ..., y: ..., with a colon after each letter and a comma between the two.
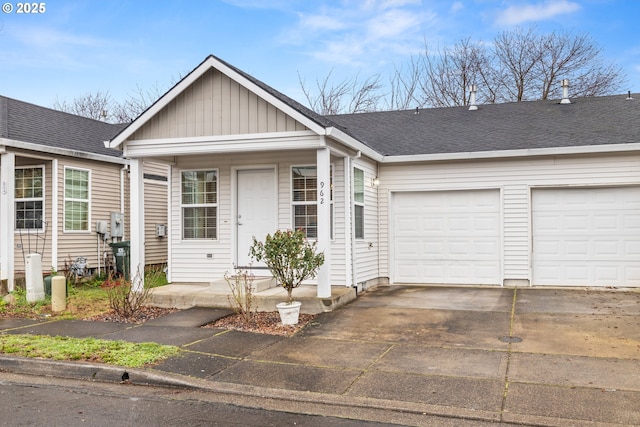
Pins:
x: 262, y: 323
x: 140, y: 316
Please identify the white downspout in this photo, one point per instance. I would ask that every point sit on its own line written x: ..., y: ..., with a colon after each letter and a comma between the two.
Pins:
x: 55, y: 206
x: 348, y: 179
x: 123, y: 171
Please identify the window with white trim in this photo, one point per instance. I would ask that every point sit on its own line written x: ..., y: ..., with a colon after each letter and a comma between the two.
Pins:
x: 29, y: 198
x: 304, y: 187
x: 358, y: 203
x: 200, y: 204
x: 76, y: 199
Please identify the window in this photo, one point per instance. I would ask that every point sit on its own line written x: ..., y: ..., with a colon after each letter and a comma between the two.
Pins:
x: 29, y: 195
x: 305, y: 210
x: 200, y: 204
x: 76, y: 200
x: 358, y: 203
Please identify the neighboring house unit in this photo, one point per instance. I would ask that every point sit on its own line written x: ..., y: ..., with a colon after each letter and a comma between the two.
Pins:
x: 57, y: 181
x: 530, y: 193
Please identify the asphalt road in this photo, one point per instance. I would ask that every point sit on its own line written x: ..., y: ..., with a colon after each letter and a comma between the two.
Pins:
x: 42, y: 401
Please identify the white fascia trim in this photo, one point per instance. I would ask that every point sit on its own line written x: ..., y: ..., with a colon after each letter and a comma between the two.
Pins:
x: 349, y: 141
x: 209, y: 63
x: 223, y: 144
x: 479, y: 155
x: 62, y: 151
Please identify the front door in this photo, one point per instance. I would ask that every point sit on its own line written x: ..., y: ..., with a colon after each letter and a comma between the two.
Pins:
x: 256, y: 210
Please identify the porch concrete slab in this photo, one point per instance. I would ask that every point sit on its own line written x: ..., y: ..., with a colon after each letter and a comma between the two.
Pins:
x: 444, y: 361
x: 323, y: 352
x: 451, y: 328
x: 72, y: 328
x: 469, y: 393
x: 288, y: 376
x: 567, y: 301
x: 439, y: 297
x: 195, y: 364
x: 191, y: 317
x: 233, y: 343
x: 594, y: 335
x: 575, y: 371
x: 168, y: 335
x: 185, y: 296
x: 563, y: 406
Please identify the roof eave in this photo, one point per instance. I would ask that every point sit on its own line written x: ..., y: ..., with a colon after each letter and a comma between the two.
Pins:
x: 479, y: 155
x: 62, y: 151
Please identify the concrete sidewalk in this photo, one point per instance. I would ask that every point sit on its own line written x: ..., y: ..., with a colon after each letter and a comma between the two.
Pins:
x: 400, y: 354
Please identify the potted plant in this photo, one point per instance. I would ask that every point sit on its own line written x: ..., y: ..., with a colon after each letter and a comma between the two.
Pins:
x: 291, y: 259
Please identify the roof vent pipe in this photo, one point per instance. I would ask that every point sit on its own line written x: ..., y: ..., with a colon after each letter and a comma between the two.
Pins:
x: 565, y: 92
x: 417, y: 110
x: 472, y: 98
x: 629, y: 98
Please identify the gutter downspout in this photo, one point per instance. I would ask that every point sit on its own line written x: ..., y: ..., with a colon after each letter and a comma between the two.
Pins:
x: 349, y: 216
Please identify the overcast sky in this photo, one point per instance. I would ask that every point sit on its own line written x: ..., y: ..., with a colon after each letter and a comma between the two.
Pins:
x: 75, y: 47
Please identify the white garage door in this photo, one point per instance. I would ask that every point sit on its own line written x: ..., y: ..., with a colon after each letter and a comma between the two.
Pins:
x: 586, y: 237
x: 450, y: 237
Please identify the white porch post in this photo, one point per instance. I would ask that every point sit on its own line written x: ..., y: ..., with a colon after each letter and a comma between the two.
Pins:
x: 137, y: 223
x: 7, y: 216
x: 323, y: 160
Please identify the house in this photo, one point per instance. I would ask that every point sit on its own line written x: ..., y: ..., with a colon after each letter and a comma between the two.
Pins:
x: 517, y: 194
x: 57, y: 181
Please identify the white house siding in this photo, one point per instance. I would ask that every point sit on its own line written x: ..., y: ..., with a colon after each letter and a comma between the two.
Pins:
x: 189, y: 258
x: 366, y: 263
x: 515, y: 178
x: 216, y: 105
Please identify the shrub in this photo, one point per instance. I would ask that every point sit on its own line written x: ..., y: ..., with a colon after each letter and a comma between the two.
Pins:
x: 289, y: 256
x: 241, y: 299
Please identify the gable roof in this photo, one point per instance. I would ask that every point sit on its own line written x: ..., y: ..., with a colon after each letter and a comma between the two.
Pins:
x: 52, y: 129
x: 527, y: 125
x: 306, y: 116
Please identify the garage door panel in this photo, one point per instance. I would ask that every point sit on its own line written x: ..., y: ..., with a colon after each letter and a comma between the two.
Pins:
x: 586, y: 236
x: 460, y: 235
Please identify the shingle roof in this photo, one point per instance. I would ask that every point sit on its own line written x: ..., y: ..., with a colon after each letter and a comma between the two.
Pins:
x: 22, y: 121
x: 495, y: 127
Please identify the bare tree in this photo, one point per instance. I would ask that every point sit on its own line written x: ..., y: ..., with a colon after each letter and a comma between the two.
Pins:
x: 91, y: 105
x: 348, y: 96
x: 519, y: 65
x: 136, y: 103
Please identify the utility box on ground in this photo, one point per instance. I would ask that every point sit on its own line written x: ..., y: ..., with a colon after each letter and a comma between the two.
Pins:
x: 121, y: 250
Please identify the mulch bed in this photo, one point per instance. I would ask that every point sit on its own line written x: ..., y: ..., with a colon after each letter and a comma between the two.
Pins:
x: 261, y: 323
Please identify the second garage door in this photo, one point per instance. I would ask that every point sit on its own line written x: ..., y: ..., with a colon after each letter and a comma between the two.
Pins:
x: 450, y: 237
x: 586, y: 236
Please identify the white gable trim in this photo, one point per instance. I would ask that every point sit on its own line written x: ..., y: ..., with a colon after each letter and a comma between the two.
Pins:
x: 350, y: 141
x: 479, y: 155
x: 210, y: 62
x: 223, y: 144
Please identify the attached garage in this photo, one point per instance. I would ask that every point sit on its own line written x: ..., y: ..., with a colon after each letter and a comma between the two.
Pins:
x: 586, y: 236
x: 448, y: 237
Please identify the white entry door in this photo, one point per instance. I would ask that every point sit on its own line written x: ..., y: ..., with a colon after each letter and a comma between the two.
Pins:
x: 256, y: 210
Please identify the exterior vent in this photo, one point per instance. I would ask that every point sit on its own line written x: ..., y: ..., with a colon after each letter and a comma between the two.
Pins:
x: 565, y: 92
x: 472, y: 98
x: 629, y: 98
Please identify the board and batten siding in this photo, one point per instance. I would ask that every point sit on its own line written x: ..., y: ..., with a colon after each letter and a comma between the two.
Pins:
x: 216, y: 105
x: 514, y: 178
x: 190, y: 260
x: 367, y: 258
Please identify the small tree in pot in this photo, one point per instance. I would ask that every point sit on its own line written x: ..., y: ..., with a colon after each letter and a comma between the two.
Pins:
x: 290, y: 257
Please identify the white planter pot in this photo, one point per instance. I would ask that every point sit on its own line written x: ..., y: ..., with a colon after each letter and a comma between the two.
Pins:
x: 289, y: 313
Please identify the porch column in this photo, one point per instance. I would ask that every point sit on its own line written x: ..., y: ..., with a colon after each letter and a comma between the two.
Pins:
x: 137, y: 223
x: 7, y: 217
x: 323, y: 160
